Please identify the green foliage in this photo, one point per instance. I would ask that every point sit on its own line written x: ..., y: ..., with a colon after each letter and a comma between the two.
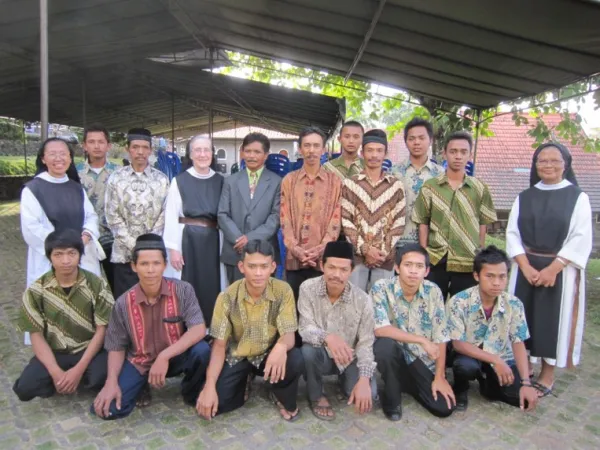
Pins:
x: 13, y: 167
x: 10, y: 130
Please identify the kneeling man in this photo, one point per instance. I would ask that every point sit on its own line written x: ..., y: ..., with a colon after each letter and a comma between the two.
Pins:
x: 66, y: 312
x: 488, y: 329
x: 336, y: 326
x: 410, y: 325
x: 254, y: 325
x: 156, y: 331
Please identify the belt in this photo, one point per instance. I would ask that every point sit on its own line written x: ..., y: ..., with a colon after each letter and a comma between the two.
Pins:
x: 531, y: 252
x: 200, y: 222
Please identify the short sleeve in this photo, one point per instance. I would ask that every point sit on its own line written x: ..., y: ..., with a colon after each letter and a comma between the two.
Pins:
x: 455, y: 319
x: 117, y: 337
x: 380, y: 304
x: 220, y: 325
x: 104, y: 303
x: 518, y: 330
x: 439, y: 323
x: 287, y: 320
x: 191, y: 312
x: 421, y: 213
x: 487, y: 212
x: 31, y: 318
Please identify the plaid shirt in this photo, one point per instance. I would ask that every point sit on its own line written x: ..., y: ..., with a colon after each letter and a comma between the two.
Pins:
x: 251, y: 329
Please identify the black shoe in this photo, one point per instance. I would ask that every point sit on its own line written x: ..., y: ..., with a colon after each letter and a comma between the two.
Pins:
x: 462, y: 401
x: 394, y: 414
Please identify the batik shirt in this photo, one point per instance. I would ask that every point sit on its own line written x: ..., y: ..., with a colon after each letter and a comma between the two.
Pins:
x: 350, y: 317
x: 338, y: 167
x: 252, y: 328
x: 454, y: 217
x: 67, y: 321
x: 135, y: 205
x: 423, y: 316
x: 506, y: 326
x: 95, y: 186
x: 413, y: 180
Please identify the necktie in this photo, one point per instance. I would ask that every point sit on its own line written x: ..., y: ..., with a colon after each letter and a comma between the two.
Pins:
x: 253, y: 182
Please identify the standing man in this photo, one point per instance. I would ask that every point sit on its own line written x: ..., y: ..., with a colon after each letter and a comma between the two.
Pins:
x: 156, y: 331
x: 135, y: 205
x: 249, y: 205
x: 488, y: 329
x: 414, y: 171
x: 66, y: 311
x: 373, y: 208
x: 336, y: 325
x: 94, y: 172
x: 349, y: 163
x: 310, y: 211
x: 253, y: 327
x: 410, y: 326
x: 453, y: 211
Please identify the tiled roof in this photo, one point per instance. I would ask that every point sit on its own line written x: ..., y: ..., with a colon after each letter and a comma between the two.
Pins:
x: 503, y: 161
x: 397, y: 150
x: 241, y: 132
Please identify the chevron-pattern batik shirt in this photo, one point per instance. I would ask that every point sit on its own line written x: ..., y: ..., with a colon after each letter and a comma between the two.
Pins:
x: 373, y: 214
x: 67, y: 321
x: 454, y: 217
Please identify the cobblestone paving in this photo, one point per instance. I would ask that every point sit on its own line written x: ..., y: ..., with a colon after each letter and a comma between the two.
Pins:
x: 569, y: 420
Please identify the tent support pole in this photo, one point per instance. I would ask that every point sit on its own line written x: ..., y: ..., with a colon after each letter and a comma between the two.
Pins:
x: 477, y: 125
x: 173, y: 122
x: 24, y: 147
x: 44, y: 68
x: 84, y: 103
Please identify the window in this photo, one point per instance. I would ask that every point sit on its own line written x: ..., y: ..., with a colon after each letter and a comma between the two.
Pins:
x: 221, y: 154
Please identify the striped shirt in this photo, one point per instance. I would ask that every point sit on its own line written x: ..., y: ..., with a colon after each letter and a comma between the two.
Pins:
x: 67, y: 321
x: 252, y: 328
x: 373, y: 215
x: 338, y: 167
x: 454, y: 217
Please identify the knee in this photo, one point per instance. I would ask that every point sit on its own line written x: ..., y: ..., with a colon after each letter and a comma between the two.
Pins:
x: 385, y: 350
x: 310, y: 354
x: 466, y: 367
x: 24, y: 393
x: 441, y: 409
x: 295, y: 363
x: 200, y: 352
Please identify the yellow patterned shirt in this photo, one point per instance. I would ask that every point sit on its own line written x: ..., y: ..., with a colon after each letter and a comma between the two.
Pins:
x: 252, y: 328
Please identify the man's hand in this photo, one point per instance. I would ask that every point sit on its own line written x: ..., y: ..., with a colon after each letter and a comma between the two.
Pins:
x: 85, y: 237
x: 342, y: 353
x: 70, y: 380
x: 158, y: 372
x: 110, y: 392
x: 528, y: 396
x: 433, y: 350
x: 442, y: 386
x: 504, y: 373
x: 530, y: 274
x: 57, y: 375
x: 208, y: 402
x: 176, y: 259
x: 275, y: 365
x: 374, y: 257
x: 240, y: 243
x: 547, y: 277
x: 361, y: 396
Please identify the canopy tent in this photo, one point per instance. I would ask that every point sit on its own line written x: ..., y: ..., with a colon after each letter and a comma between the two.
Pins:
x: 472, y: 52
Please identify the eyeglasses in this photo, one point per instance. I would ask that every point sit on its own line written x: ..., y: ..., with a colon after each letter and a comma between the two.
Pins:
x: 549, y: 162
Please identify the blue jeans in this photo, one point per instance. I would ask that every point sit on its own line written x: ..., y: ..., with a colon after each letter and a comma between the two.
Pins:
x: 192, y: 364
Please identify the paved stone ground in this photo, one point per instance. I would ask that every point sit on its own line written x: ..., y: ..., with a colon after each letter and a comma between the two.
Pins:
x: 570, y: 420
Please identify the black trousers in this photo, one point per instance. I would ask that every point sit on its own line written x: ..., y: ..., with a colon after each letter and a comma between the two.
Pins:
x: 231, y: 384
x: 468, y: 369
x: 450, y: 282
x: 35, y: 381
x: 233, y: 273
x: 295, y: 278
x: 414, y: 379
x: 109, y: 269
x: 125, y: 278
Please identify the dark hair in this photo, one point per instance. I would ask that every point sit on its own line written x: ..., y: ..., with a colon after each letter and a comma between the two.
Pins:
x: 148, y: 237
x: 66, y: 238
x: 411, y: 248
x: 459, y: 135
x: 311, y: 130
x: 418, y: 122
x: 352, y: 123
x: 41, y: 167
x: 257, y: 137
x: 257, y: 246
x: 187, y: 160
x: 140, y: 132
x: 96, y: 128
x: 490, y: 255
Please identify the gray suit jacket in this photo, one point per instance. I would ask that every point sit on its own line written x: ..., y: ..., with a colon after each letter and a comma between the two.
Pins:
x: 239, y: 215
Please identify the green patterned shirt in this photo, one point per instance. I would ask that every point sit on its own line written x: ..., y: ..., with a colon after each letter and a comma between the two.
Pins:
x: 67, y: 321
x: 338, y: 167
x: 454, y: 217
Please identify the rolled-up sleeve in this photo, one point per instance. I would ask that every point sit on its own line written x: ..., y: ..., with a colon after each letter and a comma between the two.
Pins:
x: 365, y: 359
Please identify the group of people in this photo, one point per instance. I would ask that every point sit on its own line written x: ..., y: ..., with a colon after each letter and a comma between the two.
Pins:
x: 384, y: 272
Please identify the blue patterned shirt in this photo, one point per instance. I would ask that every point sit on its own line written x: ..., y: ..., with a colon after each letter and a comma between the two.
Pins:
x: 506, y: 326
x: 413, y: 180
x: 423, y: 316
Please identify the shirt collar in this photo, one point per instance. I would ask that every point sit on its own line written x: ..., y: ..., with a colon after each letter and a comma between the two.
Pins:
x: 268, y: 293
x: 339, y: 161
x: 52, y: 282
x: 443, y: 179
x: 140, y: 297
x: 322, y: 174
x: 87, y: 167
x: 499, y: 306
x: 147, y: 171
x: 322, y: 290
x: 399, y: 294
x: 257, y: 173
x: 386, y: 177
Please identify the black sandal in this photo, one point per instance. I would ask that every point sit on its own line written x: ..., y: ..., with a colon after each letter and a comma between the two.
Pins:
x: 280, y: 407
x: 545, y: 391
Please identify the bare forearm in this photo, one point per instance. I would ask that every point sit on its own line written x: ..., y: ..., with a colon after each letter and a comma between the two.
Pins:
x: 43, y: 352
x: 475, y: 352
x: 399, y: 335
x: 115, y: 364
x: 217, y: 359
x: 423, y: 235
x: 289, y: 340
x: 482, y: 234
x: 521, y: 360
x: 522, y: 260
x: 93, y: 348
x: 189, y: 338
x: 440, y: 363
